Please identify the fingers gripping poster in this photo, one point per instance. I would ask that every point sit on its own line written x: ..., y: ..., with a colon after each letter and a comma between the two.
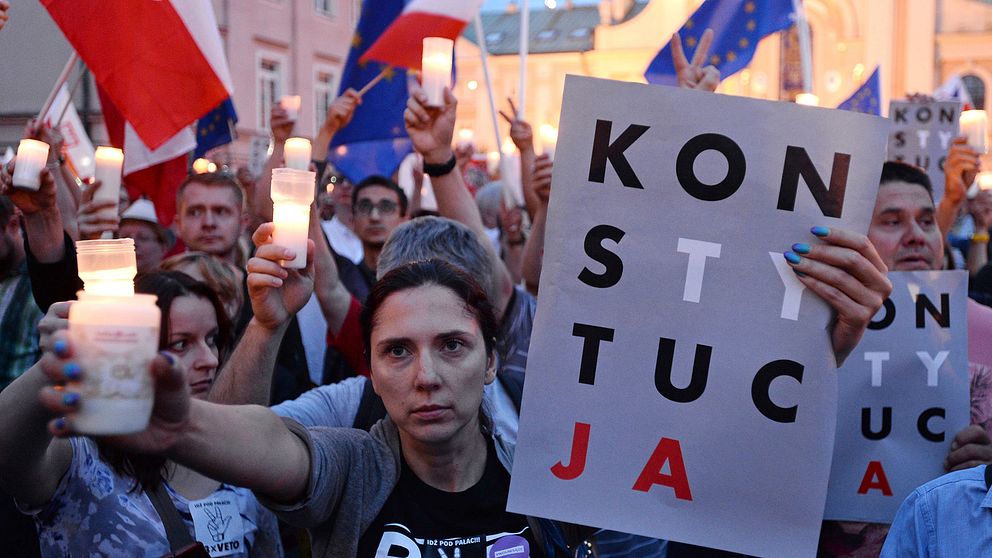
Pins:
x: 903, y: 397
x: 681, y: 382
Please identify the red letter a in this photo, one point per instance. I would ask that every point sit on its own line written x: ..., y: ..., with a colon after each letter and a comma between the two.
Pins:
x: 668, y: 450
x: 874, y: 479
x: 577, y: 462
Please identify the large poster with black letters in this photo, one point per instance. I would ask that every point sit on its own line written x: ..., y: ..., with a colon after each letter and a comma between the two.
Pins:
x: 903, y: 396
x: 921, y: 134
x: 681, y: 382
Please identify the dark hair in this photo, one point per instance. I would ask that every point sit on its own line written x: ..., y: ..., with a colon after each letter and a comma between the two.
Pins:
x: 214, y: 179
x: 898, y: 171
x: 6, y: 210
x: 379, y: 180
x: 146, y: 470
x: 431, y: 272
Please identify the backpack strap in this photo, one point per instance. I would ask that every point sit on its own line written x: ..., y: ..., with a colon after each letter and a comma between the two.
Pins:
x: 370, y: 409
x: 175, y: 529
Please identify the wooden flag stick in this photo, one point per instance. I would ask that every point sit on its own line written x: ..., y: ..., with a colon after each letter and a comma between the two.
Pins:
x: 72, y: 91
x: 371, y: 84
x: 58, y: 83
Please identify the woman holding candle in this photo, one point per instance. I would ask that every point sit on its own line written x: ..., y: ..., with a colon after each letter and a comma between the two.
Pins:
x: 82, y: 491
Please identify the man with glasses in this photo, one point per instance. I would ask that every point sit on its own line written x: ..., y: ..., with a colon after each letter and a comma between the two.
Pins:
x: 379, y: 206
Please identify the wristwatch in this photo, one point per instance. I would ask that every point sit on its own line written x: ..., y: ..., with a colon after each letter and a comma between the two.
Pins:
x: 435, y: 170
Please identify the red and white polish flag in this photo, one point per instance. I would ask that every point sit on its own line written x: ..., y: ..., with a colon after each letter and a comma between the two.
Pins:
x: 401, y: 44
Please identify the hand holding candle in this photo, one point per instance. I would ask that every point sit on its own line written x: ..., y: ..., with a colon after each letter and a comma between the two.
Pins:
x: 292, y: 194
x: 298, y: 153
x: 436, y: 67
x: 31, y: 158
x: 975, y: 126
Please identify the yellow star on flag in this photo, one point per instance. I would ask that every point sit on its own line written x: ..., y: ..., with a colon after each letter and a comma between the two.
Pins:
x: 749, y: 7
x: 356, y: 41
x: 691, y: 42
x: 731, y: 56
x: 388, y: 73
x: 689, y: 24
x: 744, y: 42
x: 363, y: 63
x: 751, y: 24
x: 715, y: 60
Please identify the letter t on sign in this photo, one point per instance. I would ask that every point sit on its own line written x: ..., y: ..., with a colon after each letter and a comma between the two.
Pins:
x: 698, y: 251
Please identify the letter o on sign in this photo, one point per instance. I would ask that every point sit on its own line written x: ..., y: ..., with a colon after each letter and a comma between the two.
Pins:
x: 736, y: 167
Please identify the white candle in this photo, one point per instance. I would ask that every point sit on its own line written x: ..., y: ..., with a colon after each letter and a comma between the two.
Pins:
x: 292, y: 193
x: 31, y: 158
x: 298, y: 153
x: 807, y: 99
x: 549, y: 139
x: 975, y: 126
x: 984, y: 180
x: 109, y: 161
x: 291, y: 104
x: 436, y: 68
x: 107, y: 267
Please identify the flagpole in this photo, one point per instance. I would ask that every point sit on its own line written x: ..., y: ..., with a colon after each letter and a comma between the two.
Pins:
x: 72, y: 91
x: 524, y: 50
x: 805, y: 48
x: 58, y: 83
x: 371, y: 84
x: 484, y: 53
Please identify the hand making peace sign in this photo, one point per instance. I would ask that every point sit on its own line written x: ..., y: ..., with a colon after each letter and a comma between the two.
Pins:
x: 693, y: 75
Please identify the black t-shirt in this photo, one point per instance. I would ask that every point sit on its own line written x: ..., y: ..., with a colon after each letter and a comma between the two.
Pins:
x: 419, y: 520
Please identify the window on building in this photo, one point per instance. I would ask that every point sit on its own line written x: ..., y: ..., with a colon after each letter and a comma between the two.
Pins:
x: 325, y: 89
x: 580, y: 32
x: 494, y: 37
x: 976, y: 89
x: 324, y: 7
x: 547, y: 35
x: 269, y: 89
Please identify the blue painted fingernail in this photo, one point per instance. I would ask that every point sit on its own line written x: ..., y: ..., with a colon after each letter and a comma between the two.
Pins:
x: 70, y: 399
x: 801, y: 248
x: 60, y: 424
x: 792, y: 257
x: 72, y: 370
x: 798, y: 273
x: 61, y: 348
x: 820, y: 231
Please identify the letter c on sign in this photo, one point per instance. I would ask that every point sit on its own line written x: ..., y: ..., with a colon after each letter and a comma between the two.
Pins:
x: 762, y: 384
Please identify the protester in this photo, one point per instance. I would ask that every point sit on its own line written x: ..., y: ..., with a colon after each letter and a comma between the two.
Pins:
x: 151, y: 240
x: 19, y: 315
x: 222, y: 278
x: 432, y: 470
x: 948, y: 516
x: 210, y: 216
x: 904, y: 230
x: 81, y: 491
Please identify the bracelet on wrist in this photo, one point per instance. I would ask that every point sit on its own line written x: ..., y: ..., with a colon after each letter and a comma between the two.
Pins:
x: 980, y: 237
x: 439, y: 169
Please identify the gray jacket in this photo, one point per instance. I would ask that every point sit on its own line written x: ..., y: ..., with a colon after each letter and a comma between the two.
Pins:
x: 358, y: 471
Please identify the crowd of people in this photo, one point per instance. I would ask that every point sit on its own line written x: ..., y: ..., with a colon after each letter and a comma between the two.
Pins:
x: 373, y: 396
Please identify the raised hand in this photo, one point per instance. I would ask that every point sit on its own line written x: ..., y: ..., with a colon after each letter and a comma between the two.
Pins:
x: 520, y: 130
x: 430, y: 128
x: 281, y: 125
x: 97, y: 216
x: 28, y: 201
x: 276, y: 293
x: 342, y: 109
x: 543, y: 166
x: 56, y: 319
x: 971, y: 447
x: 849, y: 275
x: 694, y: 75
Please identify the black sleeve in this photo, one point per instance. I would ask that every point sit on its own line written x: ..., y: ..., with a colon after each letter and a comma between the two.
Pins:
x: 56, y: 281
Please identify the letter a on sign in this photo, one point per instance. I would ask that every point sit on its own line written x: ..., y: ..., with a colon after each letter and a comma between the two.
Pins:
x: 668, y: 451
x: 875, y: 479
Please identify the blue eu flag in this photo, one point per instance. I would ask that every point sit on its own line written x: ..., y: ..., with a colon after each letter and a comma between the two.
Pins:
x: 216, y: 128
x: 737, y: 26
x: 375, y: 141
x: 867, y: 98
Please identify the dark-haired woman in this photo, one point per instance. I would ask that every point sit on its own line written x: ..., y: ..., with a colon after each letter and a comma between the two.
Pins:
x: 89, y: 499
x: 431, y: 479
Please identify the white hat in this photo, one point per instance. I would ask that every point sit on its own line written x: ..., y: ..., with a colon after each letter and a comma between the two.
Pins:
x: 141, y: 210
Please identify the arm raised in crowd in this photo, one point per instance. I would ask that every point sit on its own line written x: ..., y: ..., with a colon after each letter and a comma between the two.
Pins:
x: 534, y: 247
x: 960, y: 169
x: 277, y: 294
x: 260, y: 200
x: 692, y: 74
x: 431, y: 130
x: 338, y: 116
x: 331, y: 293
x: 522, y: 135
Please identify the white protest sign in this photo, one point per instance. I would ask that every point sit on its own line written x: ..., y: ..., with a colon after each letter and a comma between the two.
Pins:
x: 921, y: 135
x: 681, y: 382
x: 903, y: 396
x: 217, y: 523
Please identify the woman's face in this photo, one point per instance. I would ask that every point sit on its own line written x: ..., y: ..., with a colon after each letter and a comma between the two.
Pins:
x: 193, y: 341
x: 429, y: 364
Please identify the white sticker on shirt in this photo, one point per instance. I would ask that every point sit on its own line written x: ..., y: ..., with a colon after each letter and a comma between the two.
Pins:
x: 217, y: 522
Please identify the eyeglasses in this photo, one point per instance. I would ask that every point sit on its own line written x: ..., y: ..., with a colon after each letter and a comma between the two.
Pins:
x: 385, y: 207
